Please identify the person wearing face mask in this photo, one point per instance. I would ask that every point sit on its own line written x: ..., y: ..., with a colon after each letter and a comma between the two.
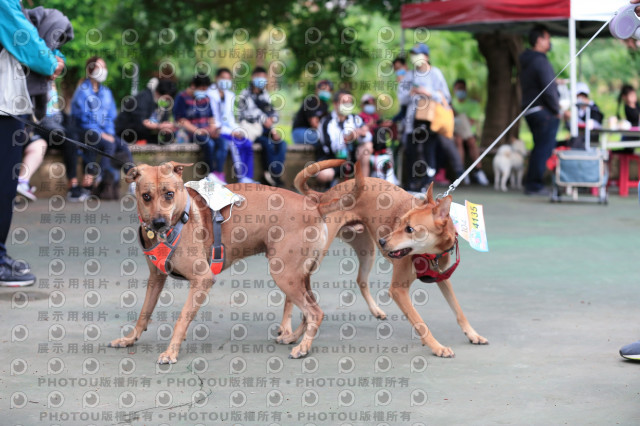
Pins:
x: 145, y: 117
x: 93, y: 110
x: 424, y: 82
x: 543, y: 117
x: 400, y: 71
x: 255, y: 108
x: 313, y: 109
x: 343, y: 135
x: 231, y: 137
x: 467, y: 112
x: 192, y: 111
x: 584, y: 103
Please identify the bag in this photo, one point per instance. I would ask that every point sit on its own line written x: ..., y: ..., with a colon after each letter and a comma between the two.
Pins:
x: 440, y: 116
x: 14, y: 96
x: 252, y: 130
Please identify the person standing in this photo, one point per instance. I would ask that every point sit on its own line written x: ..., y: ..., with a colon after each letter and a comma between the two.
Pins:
x: 313, y: 109
x: 543, y: 117
x: 14, y: 99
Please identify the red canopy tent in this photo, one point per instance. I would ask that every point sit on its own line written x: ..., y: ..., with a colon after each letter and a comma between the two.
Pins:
x: 572, y: 18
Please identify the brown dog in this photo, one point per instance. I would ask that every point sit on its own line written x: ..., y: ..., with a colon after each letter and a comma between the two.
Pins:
x: 293, y: 249
x: 402, y: 226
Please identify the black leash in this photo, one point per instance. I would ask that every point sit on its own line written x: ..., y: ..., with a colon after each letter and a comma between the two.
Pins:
x: 73, y: 141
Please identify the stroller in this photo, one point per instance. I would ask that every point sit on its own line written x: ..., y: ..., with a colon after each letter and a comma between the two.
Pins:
x: 581, y: 168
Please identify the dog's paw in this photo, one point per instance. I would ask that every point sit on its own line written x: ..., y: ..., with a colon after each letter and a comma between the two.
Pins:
x: 297, y: 353
x: 378, y: 313
x: 443, y: 352
x: 167, y: 358
x: 476, y: 339
x: 286, y: 338
x: 122, y: 342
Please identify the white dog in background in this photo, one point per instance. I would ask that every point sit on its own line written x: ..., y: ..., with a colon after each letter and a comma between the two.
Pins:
x: 508, y: 164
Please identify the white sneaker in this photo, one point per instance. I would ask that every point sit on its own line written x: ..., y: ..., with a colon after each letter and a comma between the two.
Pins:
x: 246, y: 180
x: 215, y: 179
x: 27, y: 191
x: 481, y: 178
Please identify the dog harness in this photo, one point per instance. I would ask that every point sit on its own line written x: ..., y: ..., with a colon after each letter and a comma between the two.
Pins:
x: 422, y: 264
x: 160, y: 254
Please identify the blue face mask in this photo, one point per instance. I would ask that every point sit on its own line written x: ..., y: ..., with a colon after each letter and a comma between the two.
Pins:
x: 369, y: 109
x: 259, y: 82
x: 401, y: 72
x: 199, y: 93
x: 224, y: 84
x: 461, y: 94
x: 324, y: 95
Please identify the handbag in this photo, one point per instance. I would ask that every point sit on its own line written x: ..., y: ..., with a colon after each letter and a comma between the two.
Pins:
x: 14, y: 96
x: 440, y: 116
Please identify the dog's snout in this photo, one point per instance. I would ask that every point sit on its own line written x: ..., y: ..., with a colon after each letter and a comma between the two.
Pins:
x: 382, y: 242
x: 159, y: 223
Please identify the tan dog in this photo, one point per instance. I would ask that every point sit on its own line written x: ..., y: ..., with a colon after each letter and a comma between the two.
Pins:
x: 293, y: 250
x: 402, y: 226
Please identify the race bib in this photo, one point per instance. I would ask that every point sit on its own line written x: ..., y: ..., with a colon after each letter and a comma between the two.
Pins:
x: 469, y: 223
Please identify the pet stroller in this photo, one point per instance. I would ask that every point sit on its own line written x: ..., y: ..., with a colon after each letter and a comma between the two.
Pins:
x: 581, y: 168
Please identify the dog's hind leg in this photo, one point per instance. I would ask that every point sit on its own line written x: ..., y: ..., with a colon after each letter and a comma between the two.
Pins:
x: 287, y: 335
x: 403, y: 276
x: 365, y: 249
x: 200, y: 283
x: 503, y: 181
x: 154, y: 288
x: 449, y: 295
x: 304, y: 299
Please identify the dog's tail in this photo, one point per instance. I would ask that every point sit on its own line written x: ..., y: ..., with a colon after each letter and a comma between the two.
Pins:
x: 334, y: 199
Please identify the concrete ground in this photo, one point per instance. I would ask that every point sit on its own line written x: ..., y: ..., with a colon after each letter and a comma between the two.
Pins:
x: 557, y: 296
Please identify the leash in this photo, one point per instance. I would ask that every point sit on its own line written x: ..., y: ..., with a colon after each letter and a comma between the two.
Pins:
x: 73, y: 141
x: 457, y: 182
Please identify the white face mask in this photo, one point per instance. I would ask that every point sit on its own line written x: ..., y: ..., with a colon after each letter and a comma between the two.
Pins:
x: 345, y: 109
x: 418, y: 60
x: 99, y: 74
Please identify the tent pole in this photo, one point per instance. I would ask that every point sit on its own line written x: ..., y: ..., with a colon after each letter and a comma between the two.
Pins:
x: 573, y: 78
x: 402, y: 41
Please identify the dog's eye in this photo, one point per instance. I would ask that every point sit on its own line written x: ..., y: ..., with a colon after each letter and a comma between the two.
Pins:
x: 146, y: 197
x: 409, y: 230
x: 168, y: 196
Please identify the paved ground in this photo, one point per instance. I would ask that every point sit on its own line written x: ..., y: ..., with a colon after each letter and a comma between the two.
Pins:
x: 557, y: 296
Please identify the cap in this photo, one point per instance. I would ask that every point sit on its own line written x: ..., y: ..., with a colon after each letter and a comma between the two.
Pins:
x: 420, y: 48
x: 367, y: 97
x: 325, y: 82
x: 582, y: 88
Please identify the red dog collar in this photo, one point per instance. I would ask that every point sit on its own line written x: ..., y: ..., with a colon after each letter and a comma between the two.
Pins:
x: 422, y: 265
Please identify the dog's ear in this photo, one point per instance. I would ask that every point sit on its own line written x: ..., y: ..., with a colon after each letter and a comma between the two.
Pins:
x: 177, y: 168
x: 132, y: 175
x: 429, y: 199
x: 441, y: 212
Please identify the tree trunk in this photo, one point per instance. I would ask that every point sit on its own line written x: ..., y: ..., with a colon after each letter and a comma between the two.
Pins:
x: 501, y: 51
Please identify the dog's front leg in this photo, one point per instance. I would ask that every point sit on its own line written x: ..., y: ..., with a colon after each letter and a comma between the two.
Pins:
x: 198, y: 290
x: 286, y: 334
x: 399, y: 290
x: 154, y: 288
x: 449, y: 295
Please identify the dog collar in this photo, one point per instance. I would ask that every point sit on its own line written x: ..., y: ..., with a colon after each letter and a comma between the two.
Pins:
x: 422, y: 264
x: 160, y: 253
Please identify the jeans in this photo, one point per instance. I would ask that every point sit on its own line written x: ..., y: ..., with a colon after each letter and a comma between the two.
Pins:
x: 544, y: 126
x: 12, y: 139
x: 117, y: 148
x: 241, y: 156
x: 214, y: 151
x: 304, y: 135
x: 273, y: 154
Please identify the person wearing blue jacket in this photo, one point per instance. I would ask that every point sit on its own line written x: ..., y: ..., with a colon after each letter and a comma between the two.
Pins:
x: 19, y: 43
x: 93, y: 110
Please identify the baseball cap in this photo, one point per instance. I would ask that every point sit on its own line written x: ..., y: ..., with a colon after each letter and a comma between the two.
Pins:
x: 420, y: 48
x: 367, y: 97
x: 582, y: 88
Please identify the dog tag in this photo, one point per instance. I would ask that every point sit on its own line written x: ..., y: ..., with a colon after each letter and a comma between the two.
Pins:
x: 151, y: 234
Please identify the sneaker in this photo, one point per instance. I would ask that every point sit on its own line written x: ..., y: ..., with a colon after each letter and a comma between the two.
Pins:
x: 542, y: 192
x: 18, y: 265
x: 480, y: 178
x: 212, y: 177
x: 441, y: 177
x: 27, y: 191
x: 12, y: 277
x: 631, y: 351
x: 466, y: 180
x: 270, y: 180
x: 77, y: 194
x: 246, y: 180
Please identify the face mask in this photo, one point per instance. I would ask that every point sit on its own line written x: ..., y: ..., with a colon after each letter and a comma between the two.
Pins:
x: 369, y: 109
x: 324, y: 95
x: 99, y: 74
x: 164, y: 103
x: 418, y: 60
x: 461, y: 94
x: 259, y: 82
x: 401, y: 72
x: 224, y: 84
x: 344, y: 109
x: 199, y: 93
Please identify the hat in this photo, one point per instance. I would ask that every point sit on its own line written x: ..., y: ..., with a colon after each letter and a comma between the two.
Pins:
x: 325, y: 82
x: 582, y: 88
x: 367, y: 97
x: 420, y: 48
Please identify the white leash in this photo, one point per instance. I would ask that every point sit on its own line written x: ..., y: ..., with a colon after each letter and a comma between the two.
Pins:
x: 457, y: 182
